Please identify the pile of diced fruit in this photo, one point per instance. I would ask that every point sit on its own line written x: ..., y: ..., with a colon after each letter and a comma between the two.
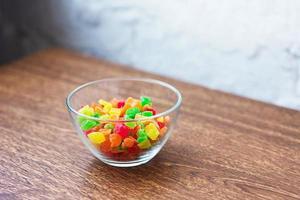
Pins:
x: 111, y: 131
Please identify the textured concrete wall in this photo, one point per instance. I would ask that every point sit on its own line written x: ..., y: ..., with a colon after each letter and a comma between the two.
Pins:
x: 251, y: 48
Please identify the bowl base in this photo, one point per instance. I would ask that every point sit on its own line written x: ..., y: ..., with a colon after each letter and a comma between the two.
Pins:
x: 130, y: 163
x: 126, y: 164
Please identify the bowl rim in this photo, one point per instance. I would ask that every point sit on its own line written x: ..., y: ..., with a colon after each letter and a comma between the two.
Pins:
x: 147, y: 80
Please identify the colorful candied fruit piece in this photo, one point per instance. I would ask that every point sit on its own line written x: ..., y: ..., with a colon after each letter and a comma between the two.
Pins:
x: 120, y: 104
x: 115, y: 140
x: 88, y: 124
x: 87, y: 110
x: 106, y: 132
x: 134, y: 103
x: 127, y: 105
x: 141, y: 132
x: 105, y: 146
x: 114, y: 102
x: 142, y: 136
x: 106, y: 105
x: 131, y: 112
x: 160, y: 119
x: 115, y: 111
x: 122, y: 130
x: 109, y: 126
x: 147, y: 113
x: 146, y: 100
x: 163, y: 131
x: 145, y: 144
x: 128, y: 142
x: 99, y: 109
x: 148, y: 108
x: 131, y: 125
x: 94, y: 129
x: 161, y: 125
x: 151, y: 131
x: 167, y: 119
x: 96, y: 137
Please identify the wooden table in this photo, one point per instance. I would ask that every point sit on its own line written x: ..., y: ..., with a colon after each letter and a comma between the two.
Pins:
x: 224, y: 147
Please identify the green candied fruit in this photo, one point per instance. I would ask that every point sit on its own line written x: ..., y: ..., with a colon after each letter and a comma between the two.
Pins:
x: 88, y: 124
x: 131, y: 125
x: 131, y: 112
x: 141, y: 133
x: 109, y: 126
x: 142, y: 139
x: 147, y: 114
x: 81, y: 119
x: 146, y: 100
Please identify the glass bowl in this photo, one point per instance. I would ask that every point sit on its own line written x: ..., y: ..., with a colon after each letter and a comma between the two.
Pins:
x: 166, y: 100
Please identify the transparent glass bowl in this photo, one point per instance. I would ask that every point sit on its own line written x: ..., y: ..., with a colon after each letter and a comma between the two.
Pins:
x: 166, y: 100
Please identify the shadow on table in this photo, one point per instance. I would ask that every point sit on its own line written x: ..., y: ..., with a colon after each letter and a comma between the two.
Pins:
x: 168, y: 171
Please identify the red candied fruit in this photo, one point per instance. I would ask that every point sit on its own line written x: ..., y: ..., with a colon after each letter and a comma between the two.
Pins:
x: 121, y: 104
x: 134, y: 150
x: 161, y: 125
x: 134, y: 131
x: 122, y: 130
x: 150, y: 109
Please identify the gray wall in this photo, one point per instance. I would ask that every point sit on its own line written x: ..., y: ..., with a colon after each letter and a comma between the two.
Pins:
x: 251, y: 48
x: 8, y: 46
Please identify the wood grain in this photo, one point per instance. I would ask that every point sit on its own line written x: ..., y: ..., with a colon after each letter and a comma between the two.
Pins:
x: 224, y: 146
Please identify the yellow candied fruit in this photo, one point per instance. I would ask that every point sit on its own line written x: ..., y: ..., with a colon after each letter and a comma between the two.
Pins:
x: 152, y: 131
x: 160, y: 119
x: 106, y: 105
x: 145, y: 144
x: 102, y: 102
x: 87, y: 110
x: 115, y: 111
x: 96, y: 137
